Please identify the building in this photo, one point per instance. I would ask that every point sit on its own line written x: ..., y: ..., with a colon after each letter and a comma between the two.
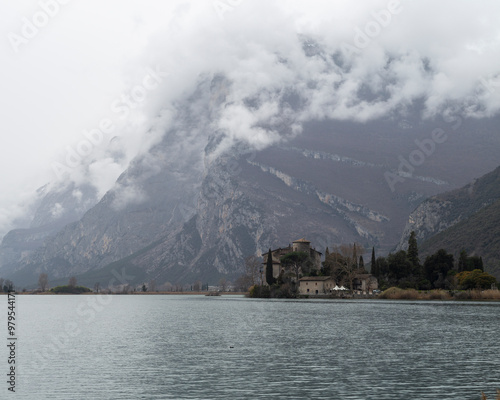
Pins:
x: 365, y: 283
x: 316, y: 285
x: 300, y: 245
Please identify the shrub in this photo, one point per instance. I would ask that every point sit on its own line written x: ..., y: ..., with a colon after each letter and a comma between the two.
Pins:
x: 395, y: 293
x: 70, y: 289
x: 259, y: 291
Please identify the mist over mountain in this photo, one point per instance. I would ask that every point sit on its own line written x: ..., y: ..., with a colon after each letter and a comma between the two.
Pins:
x: 257, y: 134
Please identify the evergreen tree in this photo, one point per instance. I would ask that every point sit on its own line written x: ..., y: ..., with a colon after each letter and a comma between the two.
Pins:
x: 462, y: 261
x: 437, y: 266
x: 382, y: 267
x: 355, y: 256
x: 413, y: 253
x: 269, y: 268
x: 327, y: 252
x: 399, y: 266
x: 373, y: 267
x: 361, y: 265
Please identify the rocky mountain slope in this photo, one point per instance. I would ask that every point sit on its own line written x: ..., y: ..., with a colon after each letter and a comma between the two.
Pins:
x: 445, y: 210
x: 193, y: 208
x: 478, y: 234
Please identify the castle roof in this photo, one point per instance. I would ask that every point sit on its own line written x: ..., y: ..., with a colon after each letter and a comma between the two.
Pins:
x: 315, y: 278
x: 301, y: 241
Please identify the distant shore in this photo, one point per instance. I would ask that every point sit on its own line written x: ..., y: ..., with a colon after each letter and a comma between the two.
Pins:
x: 392, y: 293
x: 127, y: 294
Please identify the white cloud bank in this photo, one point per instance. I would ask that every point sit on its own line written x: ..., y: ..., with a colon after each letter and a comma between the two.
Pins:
x: 86, y: 67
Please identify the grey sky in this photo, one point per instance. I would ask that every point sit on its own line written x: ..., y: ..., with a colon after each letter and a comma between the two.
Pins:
x: 118, y: 66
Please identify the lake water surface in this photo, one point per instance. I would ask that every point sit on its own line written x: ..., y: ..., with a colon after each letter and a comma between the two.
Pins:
x: 230, y: 347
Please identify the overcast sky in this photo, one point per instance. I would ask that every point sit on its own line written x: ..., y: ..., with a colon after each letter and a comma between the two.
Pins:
x: 72, y: 66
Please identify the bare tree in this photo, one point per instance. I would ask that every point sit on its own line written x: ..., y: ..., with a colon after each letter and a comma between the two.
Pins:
x: 43, y: 281
x: 8, y: 286
x: 97, y: 287
x: 253, y: 265
x: 178, y: 287
x: 252, y: 275
x: 342, y: 263
x: 223, y: 284
x: 72, y: 281
x: 197, y: 286
x: 152, y: 285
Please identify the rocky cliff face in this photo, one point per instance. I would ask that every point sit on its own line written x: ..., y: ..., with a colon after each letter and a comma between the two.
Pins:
x: 431, y: 217
x: 443, y: 211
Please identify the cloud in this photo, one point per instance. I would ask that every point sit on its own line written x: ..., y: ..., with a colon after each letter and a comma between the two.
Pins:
x: 57, y: 211
x: 329, y: 56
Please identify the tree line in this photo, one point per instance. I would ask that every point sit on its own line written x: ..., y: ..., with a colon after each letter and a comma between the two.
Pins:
x: 438, y: 271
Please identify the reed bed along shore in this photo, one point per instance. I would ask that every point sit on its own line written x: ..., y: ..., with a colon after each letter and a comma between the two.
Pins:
x: 497, y: 397
x: 395, y: 293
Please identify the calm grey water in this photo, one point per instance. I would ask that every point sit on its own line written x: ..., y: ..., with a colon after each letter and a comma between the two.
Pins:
x: 229, y: 347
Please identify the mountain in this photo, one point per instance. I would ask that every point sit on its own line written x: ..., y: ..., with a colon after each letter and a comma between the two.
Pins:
x: 444, y: 210
x: 53, y: 209
x: 478, y: 235
x: 198, y: 202
x: 466, y: 218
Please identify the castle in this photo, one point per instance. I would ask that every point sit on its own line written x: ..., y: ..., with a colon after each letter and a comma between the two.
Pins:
x: 300, y: 245
x: 314, y: 285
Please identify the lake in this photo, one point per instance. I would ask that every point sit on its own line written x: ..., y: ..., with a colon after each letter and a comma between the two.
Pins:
x: 230, y: 347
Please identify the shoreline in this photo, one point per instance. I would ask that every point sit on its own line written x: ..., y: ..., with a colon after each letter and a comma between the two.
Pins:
x: 124, y: 294
x: 390, y: 294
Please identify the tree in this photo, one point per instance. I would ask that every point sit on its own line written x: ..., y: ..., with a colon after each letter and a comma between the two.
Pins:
x: 97, y: 287
x: 223, y: 284
x: 251, y: 275
x: 349, y: 269
x: 197, y: 286
x: 354, y: 255
x: 298, y: 261
x: 475, y: 279
x: 437, y: 266
x: 269, y: 268
x: 373, y: 266
x: 43, y: 281
x: 72, y: 281
x: 399, y: 266
x: 342, y: 263
x: 413, y: 254
x: 466, y: 263
x: 152, y: 285
x: 462, y: 261
x: 144, y: 287
x: 361, y: 265
x: 1, y: 284
x: 8, y: 286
